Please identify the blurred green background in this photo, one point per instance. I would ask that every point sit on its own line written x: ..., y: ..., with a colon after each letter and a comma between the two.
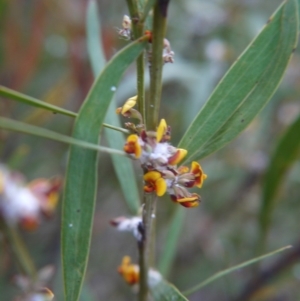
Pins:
x: 43, y: 53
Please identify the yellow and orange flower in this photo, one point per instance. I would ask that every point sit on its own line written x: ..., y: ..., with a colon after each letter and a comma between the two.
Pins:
x: 130, y: 272
x: 200, y: 176
x: 155, y: 182
x: 132, y: 146
x: 47, y: 192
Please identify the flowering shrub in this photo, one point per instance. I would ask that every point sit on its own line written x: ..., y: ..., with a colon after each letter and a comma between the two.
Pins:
x: 166, y: 169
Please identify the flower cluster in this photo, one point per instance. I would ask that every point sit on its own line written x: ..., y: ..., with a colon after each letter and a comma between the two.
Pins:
x: 159, y: 160
x: 25, y: 204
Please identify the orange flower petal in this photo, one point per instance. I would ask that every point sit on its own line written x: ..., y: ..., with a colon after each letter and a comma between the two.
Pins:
x: 29, y: 223
x: 129, y: 271
x: 177, y: 157
x: 149, y: 188
x: 192, y: 201
x: 132, y: 146
x: 190, y: 204
x: 199, y: 175
x: 161, y: 130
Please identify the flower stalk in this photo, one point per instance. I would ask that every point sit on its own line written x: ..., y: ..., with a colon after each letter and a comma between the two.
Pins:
x: 158, y: 35
x: 138, y: 31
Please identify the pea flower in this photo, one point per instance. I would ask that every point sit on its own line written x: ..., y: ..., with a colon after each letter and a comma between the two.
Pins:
x: 125, y: 31
x: 130, y: 272
x: 155, y: 182
x: 25, y: 204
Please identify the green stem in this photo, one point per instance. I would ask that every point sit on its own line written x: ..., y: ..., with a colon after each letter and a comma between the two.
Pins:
x: 146, y: 247
x: 158, y: 34
x: 9, y: 93
x: 18, y: 247
x: 138, y: 31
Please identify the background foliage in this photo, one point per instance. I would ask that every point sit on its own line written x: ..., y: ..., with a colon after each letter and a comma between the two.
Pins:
x: 43, y: 53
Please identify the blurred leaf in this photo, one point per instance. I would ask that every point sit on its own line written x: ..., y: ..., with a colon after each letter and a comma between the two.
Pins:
x: 170, y: 247
x: 161, y: 290
x: 298, y: 1
x: 81, y: 179
x: 147, y: 8
x: 247, y: 86
x: 21, y: 127
x: 57, y: 95
x: 232, y: 269
x: 286, y: 152
x: 122, y: 166
x: 9, y: 93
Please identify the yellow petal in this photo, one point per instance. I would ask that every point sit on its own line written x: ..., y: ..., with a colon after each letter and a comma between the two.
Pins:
x: 161, y: 130
x: 161, y: 186
x: 130, y: 103
x: 152, y: 176
x: 177, y: 157
x: 118, y: 110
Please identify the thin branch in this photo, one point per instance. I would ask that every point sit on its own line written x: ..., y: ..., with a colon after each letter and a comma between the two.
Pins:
x: 158, y: 34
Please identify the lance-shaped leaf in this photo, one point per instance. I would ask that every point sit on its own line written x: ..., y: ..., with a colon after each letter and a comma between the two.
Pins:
x: 287, y: 151
x: 81, y: 178
x: 9, y: 93
x: 246, y: 87
x: 122, y: 166
x: 161, y: 290
x: 21, y: 127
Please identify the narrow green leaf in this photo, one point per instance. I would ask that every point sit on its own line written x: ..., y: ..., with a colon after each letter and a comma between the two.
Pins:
x: 115, y: 140
x: 81, y: 179
x: 286, y: 152
x: 9, y: 93
x: 21, y: 127
x: 161, y: 290
x: 247, y: 86
x: 170, y: 248
x: 230, y: 270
